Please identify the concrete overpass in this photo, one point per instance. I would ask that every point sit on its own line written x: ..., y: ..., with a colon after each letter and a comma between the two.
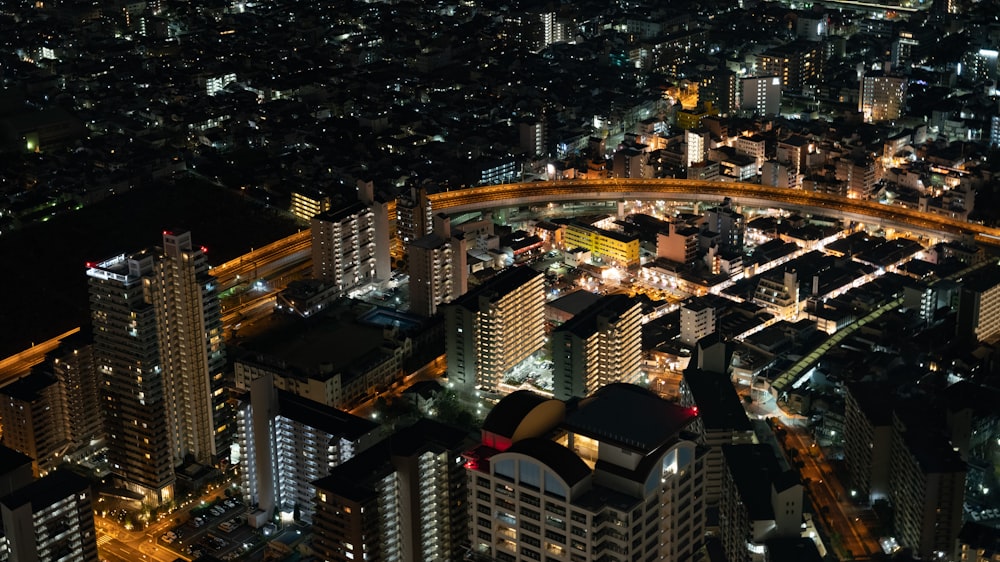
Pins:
x: 747, y: 194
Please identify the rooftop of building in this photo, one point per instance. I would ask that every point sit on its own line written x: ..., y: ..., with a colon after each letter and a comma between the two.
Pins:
x: 719, y: 406
x: 29, y: 387
x: 342, y: 212
x: 586, y: 323
x: 320, y: 416
x: 508, y: 414
x: 755, y: 471
x: 874, y: 401
x: 498, y: 286
x: 925, y: 439
x: 12, y: 460
x: 792, y: 549
x: 575, y: 302
x: 628, y: 416
x: 355, y: 479
x: 980, y: 537
x: 47, y: 490
x: 321, y: 345
x: 983, y: 279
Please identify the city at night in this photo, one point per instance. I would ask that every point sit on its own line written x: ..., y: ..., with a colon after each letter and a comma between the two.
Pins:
x: 500, y: 280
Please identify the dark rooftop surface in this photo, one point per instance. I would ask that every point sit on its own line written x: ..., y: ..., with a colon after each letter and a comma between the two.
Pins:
x: 11, y: 459
x: 983, y: 279
x: 718, y: 404
x: 874, y: 401
x: 628, y: 416
x: 331, y: 420
x: 754, y: 469
x: 510, y: 411
x: 575, y: 302
x: 355, y: 479
x: 28, y: 387
x: 327, y: 339
x: 979, y: 536
x: 795, y: 549
x: 47, y: 490
x: 585, y: 323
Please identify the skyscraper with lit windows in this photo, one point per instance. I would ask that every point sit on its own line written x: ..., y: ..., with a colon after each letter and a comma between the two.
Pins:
x: 882, y: 97
x: 159, y: 354
x: 129, y: 375
x: 192, y: 351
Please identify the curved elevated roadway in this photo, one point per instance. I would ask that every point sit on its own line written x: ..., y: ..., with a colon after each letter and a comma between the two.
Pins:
x: 749, y: 194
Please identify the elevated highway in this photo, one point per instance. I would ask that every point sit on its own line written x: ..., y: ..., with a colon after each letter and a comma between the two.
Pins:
x: 749, y: 194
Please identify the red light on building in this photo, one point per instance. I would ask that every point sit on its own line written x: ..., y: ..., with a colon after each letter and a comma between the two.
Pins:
x: 694, y: 410
x: 204, y: 250
x: 90, y: 264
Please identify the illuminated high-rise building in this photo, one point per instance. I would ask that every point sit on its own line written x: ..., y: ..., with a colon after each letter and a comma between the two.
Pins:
x: 192, y: 350
x: 616, y: 472
x: 343, y: 246
x: 437, y: 268
x: 414, y: 217
x: 159, y: 354
x: 494, y: 327
x: 50, y: 519
x: 402, y: 499
x: 761, y: 95
x: 33, y: 413
x: 350, y: 243
x: 599, y: 346
x: 129, y: 376
x: 882, y: 97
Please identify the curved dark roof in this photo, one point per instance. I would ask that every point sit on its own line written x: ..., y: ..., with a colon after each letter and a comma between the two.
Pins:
x: 561, y: 460
x: 510, y: 411
x: 628, y: 416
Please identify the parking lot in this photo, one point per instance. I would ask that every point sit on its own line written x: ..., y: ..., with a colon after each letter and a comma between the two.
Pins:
x: 219, y: 529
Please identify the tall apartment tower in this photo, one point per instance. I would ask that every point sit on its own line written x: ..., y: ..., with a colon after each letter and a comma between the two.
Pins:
x: 35, y: 421
x: 926, y: 485
x: 192, y: 351
x: 402, y: 499
x: 599, y: 346
x: 868, y: 436
x: 979, y: 304
x: 414, y: 217
x: 722, y: 420
x: 494, y: 327
x: 761, y: 499
x: 882, y: 97
x: 286, y: 442
x: 50, y: 519
x: 130, y: 378
x: 73, y: 364
x: 438, y: 272
x: 587, y: 479
x: 343, y: 246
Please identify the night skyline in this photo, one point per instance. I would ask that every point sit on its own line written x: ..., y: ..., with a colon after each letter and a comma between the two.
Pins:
x: 589, y: 280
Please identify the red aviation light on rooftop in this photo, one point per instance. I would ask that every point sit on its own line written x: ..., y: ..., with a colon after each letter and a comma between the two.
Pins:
x: 90, y: 264
x: 167, y: 233
x: 204, y: 250
x: 694, y: 410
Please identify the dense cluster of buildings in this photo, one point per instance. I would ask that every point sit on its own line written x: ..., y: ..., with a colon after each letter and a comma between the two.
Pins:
x: 349, y: 118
